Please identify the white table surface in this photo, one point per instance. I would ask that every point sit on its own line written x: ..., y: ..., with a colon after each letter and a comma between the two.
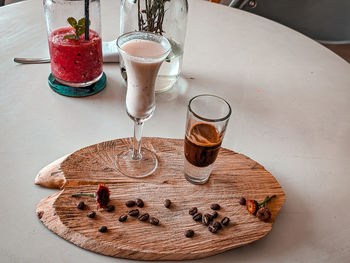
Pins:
x: 291, y: 112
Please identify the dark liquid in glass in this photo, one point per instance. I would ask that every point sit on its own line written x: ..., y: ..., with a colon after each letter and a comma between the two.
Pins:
x: 202, y: 145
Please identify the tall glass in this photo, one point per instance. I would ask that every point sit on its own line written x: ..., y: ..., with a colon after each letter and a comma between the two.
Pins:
x: 207, y: 119
x: 142, y: 53
x: 76, y: 58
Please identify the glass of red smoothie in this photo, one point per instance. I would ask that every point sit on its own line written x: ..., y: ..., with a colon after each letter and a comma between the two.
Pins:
x: 76, y: 60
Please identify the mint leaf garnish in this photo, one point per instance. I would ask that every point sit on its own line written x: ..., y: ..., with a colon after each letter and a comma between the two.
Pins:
x: 81, y: 22
x: 72, y: 21
x: 70, y: 37
x: 79, y: 27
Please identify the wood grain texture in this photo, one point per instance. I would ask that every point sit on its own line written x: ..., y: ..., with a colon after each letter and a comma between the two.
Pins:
x: 234, y: 175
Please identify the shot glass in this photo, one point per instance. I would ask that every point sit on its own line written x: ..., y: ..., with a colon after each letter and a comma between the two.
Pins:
x: 207, y: 119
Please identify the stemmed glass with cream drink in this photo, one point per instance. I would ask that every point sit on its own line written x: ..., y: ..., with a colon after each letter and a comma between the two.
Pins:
x: 142, y: 53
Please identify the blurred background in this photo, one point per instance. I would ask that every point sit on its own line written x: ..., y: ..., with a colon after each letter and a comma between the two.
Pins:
x: 326, y: 21
x: 7, y: 2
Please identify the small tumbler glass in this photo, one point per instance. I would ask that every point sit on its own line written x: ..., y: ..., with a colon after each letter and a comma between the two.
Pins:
x: 76, y: 58
x: 207, y: 119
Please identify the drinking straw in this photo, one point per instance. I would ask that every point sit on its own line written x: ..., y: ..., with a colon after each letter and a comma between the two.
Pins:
x: 87, y: 20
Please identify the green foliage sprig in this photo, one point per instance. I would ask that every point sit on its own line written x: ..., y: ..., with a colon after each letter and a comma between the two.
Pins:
x: 79, y: 28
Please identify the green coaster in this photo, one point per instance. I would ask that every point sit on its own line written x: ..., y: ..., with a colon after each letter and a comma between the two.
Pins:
x: 77, y: 92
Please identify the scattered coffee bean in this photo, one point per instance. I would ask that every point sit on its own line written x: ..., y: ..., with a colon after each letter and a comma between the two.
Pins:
x: 189, y: 233
x: 110, y: 208
x: 212, y: 229
x: 81, y: 205
x: 215, y: 214
x: 206, y: 220
x: 210, y: 217
x: 130, y: 203
x: 167, y: 203
x: 134, y: 212
x: 102, y: 229
x: 123, y: 218
x: 242, y: 201
x: 225, y: 221
x: 215, y: 206
x: 217, y: 225
x: 92, y: 214
x: 154, y: 221
x: 193, y: 211
x: 143, y: 217
x: 139, y: 202
x: 197, y: 217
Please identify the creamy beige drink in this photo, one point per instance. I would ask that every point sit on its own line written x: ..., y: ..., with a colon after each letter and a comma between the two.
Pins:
x: 142, y: 63
x: 142, y: 53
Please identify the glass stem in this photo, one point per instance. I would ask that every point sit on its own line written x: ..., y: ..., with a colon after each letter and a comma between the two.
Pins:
x: 138, y: 126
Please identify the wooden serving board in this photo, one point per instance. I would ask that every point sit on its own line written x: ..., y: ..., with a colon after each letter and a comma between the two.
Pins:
x: 234, y: 175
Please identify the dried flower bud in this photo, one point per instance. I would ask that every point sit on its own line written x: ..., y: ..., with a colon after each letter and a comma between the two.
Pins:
x: 102, y: 196
x: 263, y: 214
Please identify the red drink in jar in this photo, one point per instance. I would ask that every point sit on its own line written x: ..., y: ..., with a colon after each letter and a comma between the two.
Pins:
x: 75, y: 62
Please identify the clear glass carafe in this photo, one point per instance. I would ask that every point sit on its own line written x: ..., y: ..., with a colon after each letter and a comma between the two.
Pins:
x: 164, y: 17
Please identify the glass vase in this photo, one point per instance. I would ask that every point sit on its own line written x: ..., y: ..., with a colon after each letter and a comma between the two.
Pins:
x: 75, y: 43
x: 164, y: 17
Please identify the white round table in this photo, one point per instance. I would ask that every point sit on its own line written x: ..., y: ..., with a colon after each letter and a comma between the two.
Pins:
x: 291, y: 113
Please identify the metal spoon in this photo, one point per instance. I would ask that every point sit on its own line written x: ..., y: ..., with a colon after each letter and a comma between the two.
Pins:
x: 109, y: 50
x: 31, y: 60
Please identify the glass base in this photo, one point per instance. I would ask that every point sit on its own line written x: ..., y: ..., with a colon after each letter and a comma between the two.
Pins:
x: 165, y: 83
x: 197, y: 175
x: 142, y: 167
x: 77, y: 91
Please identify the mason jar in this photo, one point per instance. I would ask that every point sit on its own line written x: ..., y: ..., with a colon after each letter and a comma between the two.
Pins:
x: 75, y: 45
x: 164, y: 17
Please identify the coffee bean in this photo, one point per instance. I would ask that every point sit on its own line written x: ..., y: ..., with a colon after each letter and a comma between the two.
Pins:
x: 212, y: 229
x: 167, y: 203
x: 123, y: 218
x: 193, y: 211
x: 206, y: 220
x: 225, y: 221
x: 139, y: 202
x: 242, y: 201
x: 130, y: 203
x: 197, y: 217
x: 217, y: 225
x: 92, y: 214
x: 102, y: 229
x: 81, y: 205
x: 189, y: 233
x: 215, y: 214
x: 143, y: 217
x: 110, y: 208
x: 210, y: 217
x: 154, y: 221
x: 134, y: 212
x: 215, y: 206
